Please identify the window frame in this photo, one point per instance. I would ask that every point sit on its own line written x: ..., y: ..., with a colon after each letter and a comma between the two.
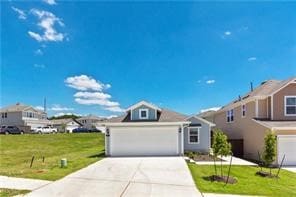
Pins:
x: 230, y: 113
x: 285, y: 105
x: 140, y: 113
x: 244, y: 110
x: 189, y: 135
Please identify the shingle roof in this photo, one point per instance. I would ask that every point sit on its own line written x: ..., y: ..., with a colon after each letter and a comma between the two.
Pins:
x: 165, y: 115
x: 18, y: 107
x: 277, y: 124
x: 265, y: 89
x: 92, y: 117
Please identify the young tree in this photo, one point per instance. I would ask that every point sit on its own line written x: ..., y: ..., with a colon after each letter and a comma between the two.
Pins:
x: 220, y: 146
x: 269, y: 149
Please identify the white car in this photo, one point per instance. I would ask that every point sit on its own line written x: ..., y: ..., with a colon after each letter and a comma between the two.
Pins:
x: 46, y: 129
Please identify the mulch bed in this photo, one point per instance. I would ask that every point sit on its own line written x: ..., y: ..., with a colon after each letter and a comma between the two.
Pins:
x: 266, y: 174
x: 205, y: 158
x: 231, y: 180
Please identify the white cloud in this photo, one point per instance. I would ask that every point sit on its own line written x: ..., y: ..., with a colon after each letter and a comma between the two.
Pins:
x: 102, y: 102
x: 91, y: 92
x: 21, y: 13
x: 47, y: 21
x: 210, y: 81
x: 227, y: 33
x: 250, y: 59
x: 114, y: 109
x: 57, y: 107
x: 39, y: 65
x: 84, y: 83
x: 210, y: 109
x: 38, y: 52
x: 50, y: 2
x: 92, y: 95
x: 39, y: 108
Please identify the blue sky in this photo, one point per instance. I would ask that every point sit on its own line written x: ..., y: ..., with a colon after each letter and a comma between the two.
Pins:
x: 99, y: 58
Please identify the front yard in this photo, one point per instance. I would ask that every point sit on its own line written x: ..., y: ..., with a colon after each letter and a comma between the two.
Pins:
x: 248, y: 183
x: 16, y: 152
x: 11, y: 192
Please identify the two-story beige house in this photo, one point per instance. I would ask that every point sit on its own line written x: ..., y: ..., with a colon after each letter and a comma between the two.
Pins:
x: 23, y: 116
x: 271, y: 106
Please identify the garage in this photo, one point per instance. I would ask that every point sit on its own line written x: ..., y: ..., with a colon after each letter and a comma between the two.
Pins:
x: 286, y: 145
x: 144, y: 140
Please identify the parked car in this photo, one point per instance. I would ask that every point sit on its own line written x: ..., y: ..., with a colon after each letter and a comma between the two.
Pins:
x: 10, y: 130
x: 46, y: 129
x: 80, y: 130
x: 94, y: 130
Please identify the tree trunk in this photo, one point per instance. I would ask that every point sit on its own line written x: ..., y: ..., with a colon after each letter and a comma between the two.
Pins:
x: 221, y: 167
x: 215, y: 165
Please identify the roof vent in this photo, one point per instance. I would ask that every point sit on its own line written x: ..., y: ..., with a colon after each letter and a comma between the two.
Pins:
x: 263, y: 82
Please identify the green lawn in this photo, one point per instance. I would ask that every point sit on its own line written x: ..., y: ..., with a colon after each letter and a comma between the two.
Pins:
x: 79, y: 149
x: 11, y: 192
x: 248, y: 182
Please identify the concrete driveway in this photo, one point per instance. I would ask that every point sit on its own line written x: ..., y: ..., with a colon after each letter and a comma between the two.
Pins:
x: 290, y: 168
x: 126, y: 176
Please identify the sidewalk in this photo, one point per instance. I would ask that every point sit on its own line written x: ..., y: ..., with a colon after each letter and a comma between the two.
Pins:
x: 21, y: 183
x: 235, y: 161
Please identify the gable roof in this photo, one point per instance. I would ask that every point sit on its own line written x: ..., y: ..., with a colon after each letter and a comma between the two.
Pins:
x: 143, y: 103
x: 91, y: 117
x: 63, y: 121
x: 202, y: 120
x: 266, y: 88
x: 18, y: 107
x: 165, y: 115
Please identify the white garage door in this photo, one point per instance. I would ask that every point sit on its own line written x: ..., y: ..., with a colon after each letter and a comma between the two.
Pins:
x: 287, y: 147
x: 143, y: 141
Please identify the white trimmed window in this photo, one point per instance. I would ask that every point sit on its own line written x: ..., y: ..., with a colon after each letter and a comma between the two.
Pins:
x: 290, y: 105
x: 193, y: 135
x: 244, y: 110
x: 230, y: 115
x: 143, y: 113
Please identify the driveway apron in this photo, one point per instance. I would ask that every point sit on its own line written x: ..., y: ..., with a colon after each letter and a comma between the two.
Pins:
x: 126, y: 176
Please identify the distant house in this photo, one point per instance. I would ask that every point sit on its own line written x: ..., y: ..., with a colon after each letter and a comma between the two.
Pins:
x: 65, y: 125
x: 146, y: 129
x: 92, y: 121
x: 23, y: 115
x: 246, y: 120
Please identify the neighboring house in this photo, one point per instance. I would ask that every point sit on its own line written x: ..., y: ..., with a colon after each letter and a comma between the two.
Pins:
x: 92, y: 121
x: 146, y: 129
x: 271, y: 106
x: 23, y: 115
x: 65, y: 125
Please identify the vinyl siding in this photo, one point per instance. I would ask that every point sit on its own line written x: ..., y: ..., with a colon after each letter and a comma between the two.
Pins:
x: 279, y: 102
x: 151, y: 113
x: 204, y: 137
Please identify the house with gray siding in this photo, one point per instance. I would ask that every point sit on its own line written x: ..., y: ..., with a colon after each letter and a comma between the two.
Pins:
x: 23, y: 116
x: 146, y: 129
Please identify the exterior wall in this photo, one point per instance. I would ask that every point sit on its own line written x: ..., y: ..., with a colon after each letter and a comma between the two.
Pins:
x: 269, y: 107
x: 253, y: 137
x: 13, y: 118
x: 279, y: 102
x: 263, y: 109
x: 244, y: 128
x: 235, y: 129
x: 89, y: 124
x: 151, y: 113
x: 285, y: 132
x: 204, y: 144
